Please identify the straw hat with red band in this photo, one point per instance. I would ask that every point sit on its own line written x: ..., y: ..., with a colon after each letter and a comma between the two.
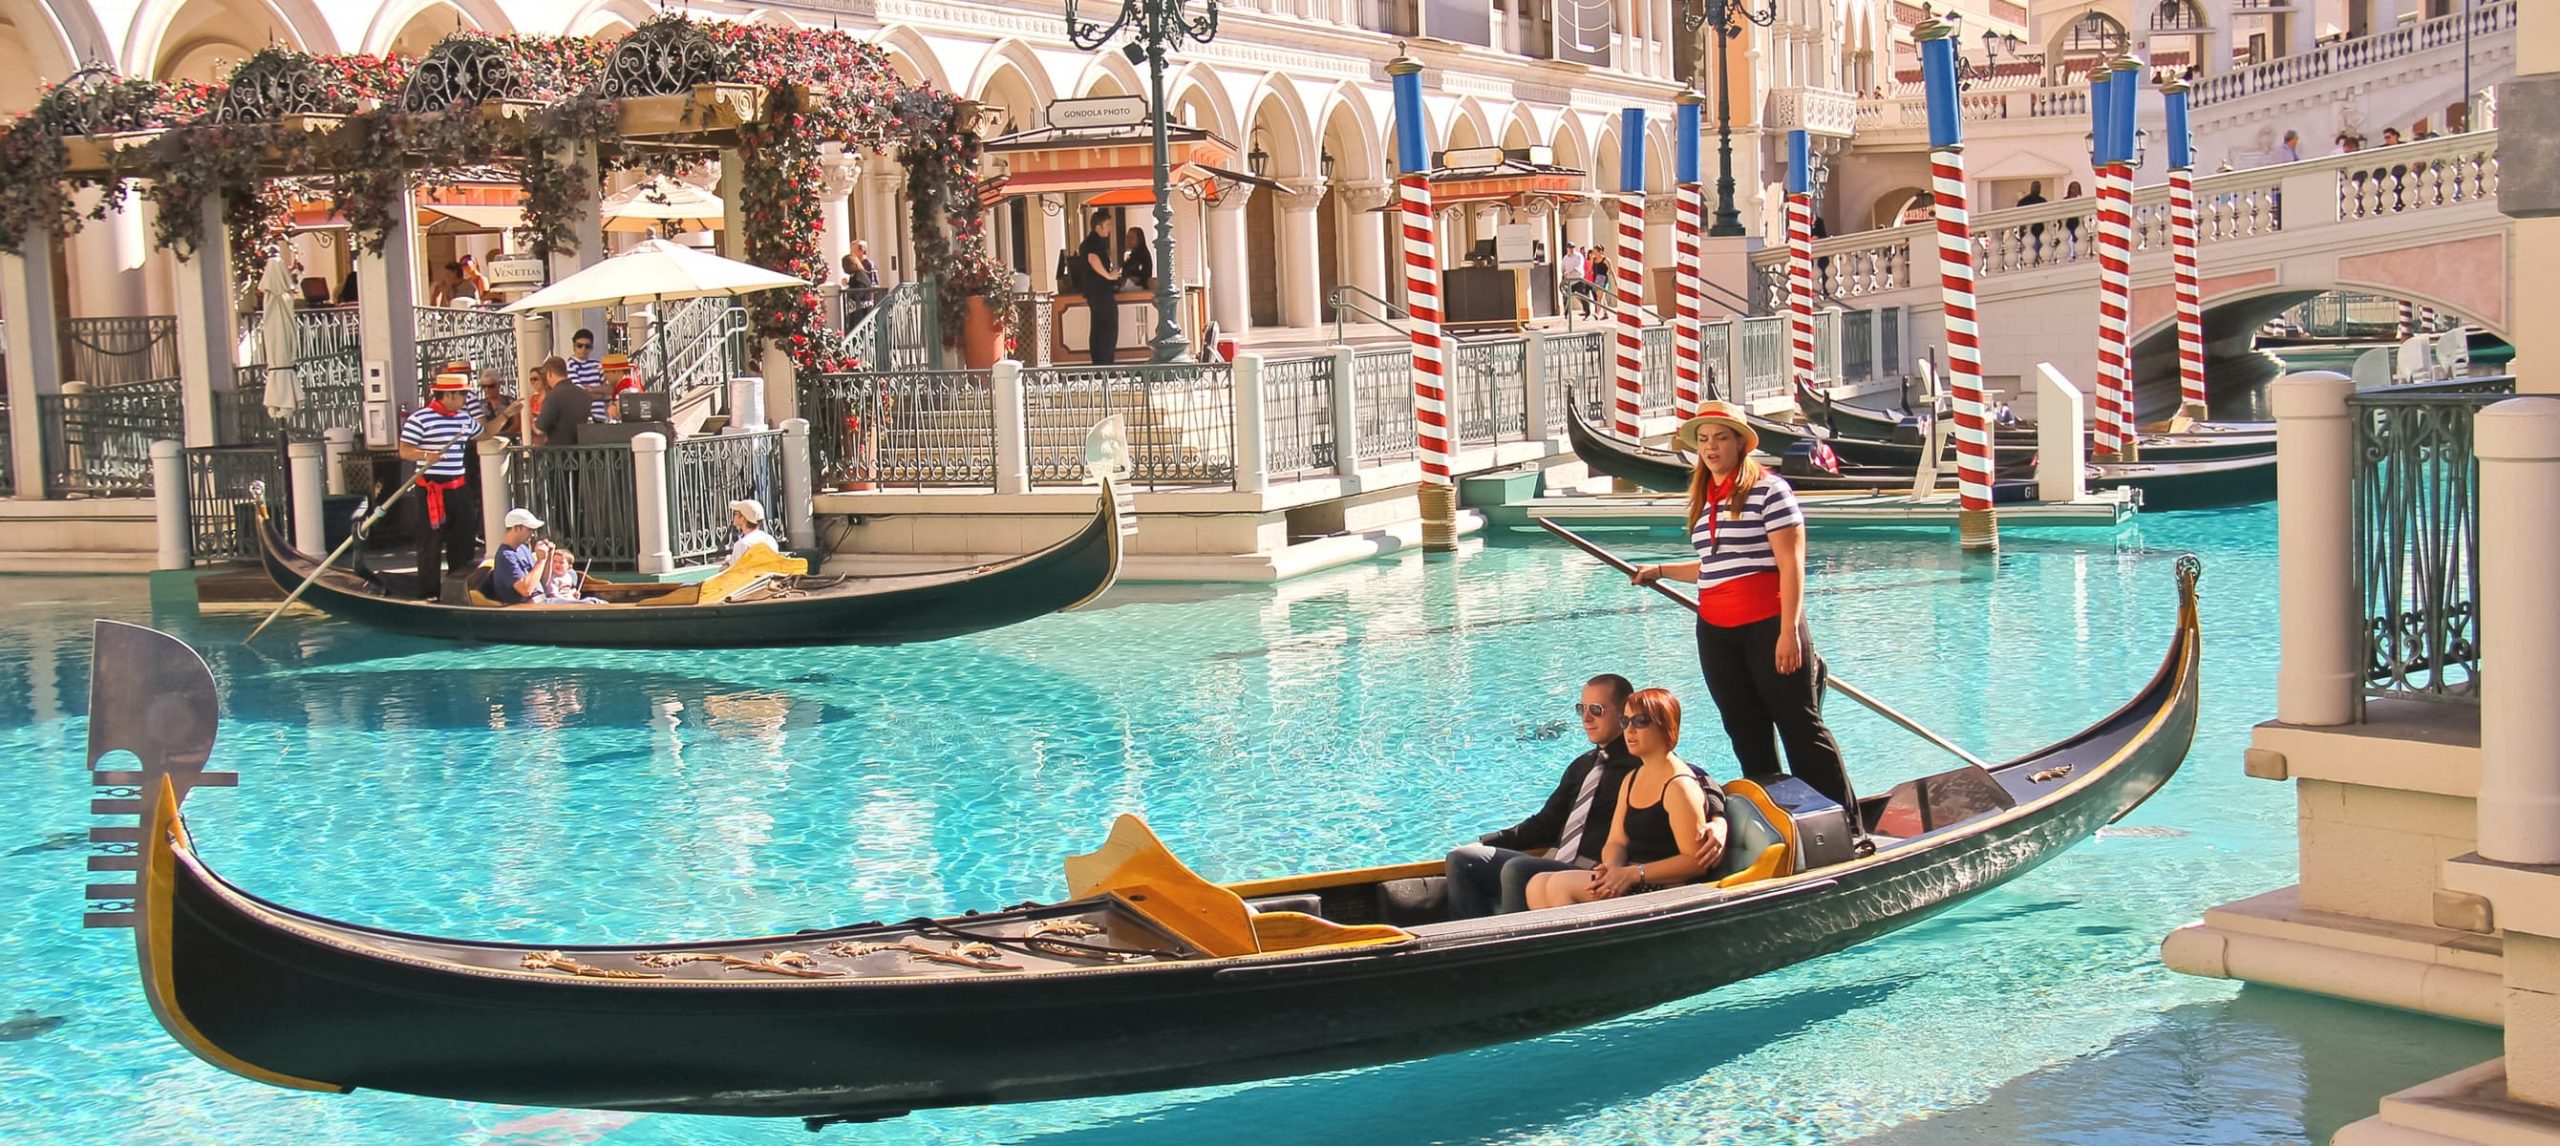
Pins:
x: 456, y: 383
x: 1714, y: 414
x: 616, y: 360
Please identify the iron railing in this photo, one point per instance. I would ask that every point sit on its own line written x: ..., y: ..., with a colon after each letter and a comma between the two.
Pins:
x: 1717, y: 349
x: 903, y: 332
x: 586, y: 497
x: 97, y: 443
x: 1763, y: 360
x: 1577, y: 370
x: 1297, y: 415
x: 332, y: 398
x: 484, y: 339
x: 1488, y: 381
x: 1382, y: 403
x: 1180, y: 418
x: 1657, y: 371
x: 711, y: 471
x: 1857, y: 346
x: 911, y: 428
x: 218, y: 481
x: 2415, y: 498
x: 119, y: 351
x: 700, y: 344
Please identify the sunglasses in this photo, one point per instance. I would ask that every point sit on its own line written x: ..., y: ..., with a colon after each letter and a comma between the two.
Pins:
x: 1639, y: 721
x: 1595, y: 710
x: 584, y: 345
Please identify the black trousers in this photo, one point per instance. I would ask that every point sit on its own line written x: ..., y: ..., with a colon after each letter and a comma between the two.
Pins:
x: 1103, y: 311
x: 455, y: 545
x: 1762, y: 707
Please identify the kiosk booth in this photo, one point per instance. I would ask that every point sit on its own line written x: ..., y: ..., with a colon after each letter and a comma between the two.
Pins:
x: 1502, y: 282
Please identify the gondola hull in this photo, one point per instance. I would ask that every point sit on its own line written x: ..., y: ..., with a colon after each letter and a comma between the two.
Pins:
x: 2206, y: 440
x: 857, y: 611
x: 301, y: 1001
x: 1663, y: 471
x: 2013, y: 455
x: 2191, y: 485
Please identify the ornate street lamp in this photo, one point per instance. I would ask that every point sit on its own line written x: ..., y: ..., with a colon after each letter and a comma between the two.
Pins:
x: 1997, y: 47
x: 1154, y: 26
x: 1727, y: 18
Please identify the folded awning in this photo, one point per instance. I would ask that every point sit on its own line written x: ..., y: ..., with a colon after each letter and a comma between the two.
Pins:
x: 470, y: 218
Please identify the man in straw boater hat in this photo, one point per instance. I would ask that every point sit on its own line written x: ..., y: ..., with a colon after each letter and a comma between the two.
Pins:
x: 438, y: 437
x: 1752, y: 643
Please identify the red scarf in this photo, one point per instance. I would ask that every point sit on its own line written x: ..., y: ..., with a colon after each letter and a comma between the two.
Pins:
x: 1717, y: 494
x: 435, y: 491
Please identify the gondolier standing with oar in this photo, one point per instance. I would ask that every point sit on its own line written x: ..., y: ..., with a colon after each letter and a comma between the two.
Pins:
x: 448, y: 516
x: 1759, y: 665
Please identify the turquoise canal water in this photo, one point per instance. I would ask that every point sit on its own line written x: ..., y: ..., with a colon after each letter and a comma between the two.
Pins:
x: 1372, y: 714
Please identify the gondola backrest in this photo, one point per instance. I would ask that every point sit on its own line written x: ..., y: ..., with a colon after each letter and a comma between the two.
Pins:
x: 1741, y: 794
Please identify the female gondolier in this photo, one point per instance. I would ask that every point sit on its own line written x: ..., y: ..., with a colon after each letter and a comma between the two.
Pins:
x: 1749, y: 534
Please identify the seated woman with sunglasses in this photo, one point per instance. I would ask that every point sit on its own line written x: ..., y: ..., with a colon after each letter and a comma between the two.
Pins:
x: 1670, y: 825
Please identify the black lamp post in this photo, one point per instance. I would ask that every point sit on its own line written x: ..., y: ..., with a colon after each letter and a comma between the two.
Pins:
x: 1726, y: 17
x: 1154, y: 26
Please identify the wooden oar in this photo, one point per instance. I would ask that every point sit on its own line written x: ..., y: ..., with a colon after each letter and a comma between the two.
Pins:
x: 353, y: 536
x: 1844, y: 687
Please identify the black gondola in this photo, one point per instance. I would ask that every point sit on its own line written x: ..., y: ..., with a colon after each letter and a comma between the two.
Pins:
x: 784, y: 610
x: 1665, y: 471
x: 2199, y: 440
x: 1148, y: 977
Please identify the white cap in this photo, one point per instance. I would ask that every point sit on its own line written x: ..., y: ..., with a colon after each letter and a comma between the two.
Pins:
x: 751, y: 508
x: 523, y: 517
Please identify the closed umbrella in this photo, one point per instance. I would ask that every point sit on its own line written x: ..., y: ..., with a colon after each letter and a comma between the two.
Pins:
x: 279, y: 340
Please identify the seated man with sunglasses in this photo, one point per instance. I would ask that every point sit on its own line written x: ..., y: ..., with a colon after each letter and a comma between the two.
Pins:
x: 1493, y: 874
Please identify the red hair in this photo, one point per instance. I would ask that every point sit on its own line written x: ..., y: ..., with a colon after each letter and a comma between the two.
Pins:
x: 1662, y: 708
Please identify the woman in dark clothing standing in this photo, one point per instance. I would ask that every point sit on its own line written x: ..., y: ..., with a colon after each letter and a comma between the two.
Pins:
x: 1101, y: 288
x: 1670, y: 825
x: 1137, y: 264
x: 1749, y: 535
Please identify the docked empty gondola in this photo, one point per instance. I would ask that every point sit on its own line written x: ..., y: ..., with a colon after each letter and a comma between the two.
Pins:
x: 742, y: 609
x: 1144, y: 976
x: 2197, y: 440
x: 1667, y: 471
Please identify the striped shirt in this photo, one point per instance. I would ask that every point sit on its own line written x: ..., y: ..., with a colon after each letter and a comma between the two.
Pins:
x: 428, y: 426
x: 588, y: 374
x: 1731, y: 546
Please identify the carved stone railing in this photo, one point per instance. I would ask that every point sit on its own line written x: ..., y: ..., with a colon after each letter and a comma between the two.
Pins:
x: 1820, y: 111
x: 2491, y: 18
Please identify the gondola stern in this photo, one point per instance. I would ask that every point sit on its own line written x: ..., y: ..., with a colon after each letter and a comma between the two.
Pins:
x: 1115, y: 524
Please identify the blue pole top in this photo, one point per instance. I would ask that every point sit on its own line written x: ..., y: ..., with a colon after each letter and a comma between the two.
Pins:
x: 1405, y: 74
x: 1799, y: 162
x: 2182, y: 145
x: 1690, y: 124
x: 2122, y: 106
x: 1631, y: 150
x: 1938, y: 82
x: 2102, y: 120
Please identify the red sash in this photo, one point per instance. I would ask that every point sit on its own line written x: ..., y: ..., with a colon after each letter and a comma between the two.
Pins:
x: 435, y: 491
x: 1744, y: 600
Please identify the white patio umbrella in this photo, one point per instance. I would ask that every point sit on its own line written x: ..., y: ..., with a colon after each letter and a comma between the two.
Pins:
x: 279, y: 341
x: 663, y: 204
x: 654, y: 270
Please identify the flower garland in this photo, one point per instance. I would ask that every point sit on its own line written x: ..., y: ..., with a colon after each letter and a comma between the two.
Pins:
x: 38, y: 192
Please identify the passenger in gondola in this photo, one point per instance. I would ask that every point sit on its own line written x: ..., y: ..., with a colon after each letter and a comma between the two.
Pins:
x: 746, y: 515
x: 1752, y: 642
x: 517, y: 570
x: 1492, y: 874
x: 562, y: 584
x: 1669, y: 828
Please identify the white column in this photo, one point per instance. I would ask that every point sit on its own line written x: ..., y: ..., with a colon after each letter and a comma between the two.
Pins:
x: 781, y: 385
x: 496, y: 489
x: 835, y: 213
x: 169, y: 503
x: 386, y: 311
x: 35, y: 354
x: 1253, y: 462
x: 2518, y: 444
x: 2061, y: 449
x: 107, y: 259
x: 336, y: 443
x: 649, y: 483
x: 880, y: 223
x: 303, y: 465
x: 1301, y: 273
x: 1346, y: 413
x: 1577, y: 223
x: 208, y: 327
x: 1541, y: 409
x: 533, y: 345
x: 586, y: 227
x: 2316, y: 609
x: 1230, y: 293
x: 1364, y: 237
x: 799, y: 520
x: 733, y: 211
x: 1012, y: 429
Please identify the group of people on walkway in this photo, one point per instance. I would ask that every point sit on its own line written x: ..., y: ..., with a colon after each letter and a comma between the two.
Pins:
x: 1631, y: 815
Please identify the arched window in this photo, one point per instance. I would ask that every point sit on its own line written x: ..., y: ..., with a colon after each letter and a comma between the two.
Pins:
x: 2096, y: 32
x: 2176, y: 16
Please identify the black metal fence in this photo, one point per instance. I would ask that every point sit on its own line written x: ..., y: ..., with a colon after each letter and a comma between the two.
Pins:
x: 1180, y: 417
x: 707, y: 473
x: 219, y: 499
x: 586, y: 497
x: 1382, y: 404
x: 482, y: 339
x: 1577, y: 370
x: 97, y: 443
x: 2415, y: 498
x: 1297, y: 415
x: 1489, y: 379
x: 909, y: 428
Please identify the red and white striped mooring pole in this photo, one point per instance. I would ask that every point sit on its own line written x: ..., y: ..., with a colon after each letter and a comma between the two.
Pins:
x: 1688, y: 307
x: 2182, y: 255
x: 1420, y: 242
x: 2115, y: 423
x: 1626, y: 275
x: 1799, y: 203
x: 1977, y: 523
